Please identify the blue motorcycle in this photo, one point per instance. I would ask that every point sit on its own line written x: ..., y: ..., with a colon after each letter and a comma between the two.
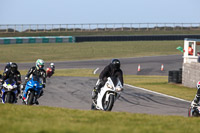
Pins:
x: 32, y: 91
x: 9, y: 91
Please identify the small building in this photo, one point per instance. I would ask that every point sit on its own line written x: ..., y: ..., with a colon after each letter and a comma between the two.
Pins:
x: 191, y: 62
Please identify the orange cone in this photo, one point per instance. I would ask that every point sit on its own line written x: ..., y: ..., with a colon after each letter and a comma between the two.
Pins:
x: 162, y: 67
x: 139, y: 68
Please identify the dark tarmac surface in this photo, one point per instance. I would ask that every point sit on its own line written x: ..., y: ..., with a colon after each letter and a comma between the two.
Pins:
x: 75, y: 92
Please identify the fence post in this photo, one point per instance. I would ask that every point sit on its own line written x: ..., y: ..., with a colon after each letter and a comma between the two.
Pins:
x: 66, y: 27
x: 181, y: 26
x: 22, y: 28
x: 131, y: 27
x: 15, y: 28
x: 45, y: 28
x: 97, y: 28
x: 37, y: 28
x: 139, y: 27
x: 74, y: 28
x: 29, y: 28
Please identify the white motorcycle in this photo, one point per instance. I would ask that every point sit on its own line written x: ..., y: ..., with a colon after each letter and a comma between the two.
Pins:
x: 110, y: 92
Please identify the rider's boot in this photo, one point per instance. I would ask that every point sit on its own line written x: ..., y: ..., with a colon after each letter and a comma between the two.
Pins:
x: 41, y: 93
x: 95, y: 91
x: 36, y: 102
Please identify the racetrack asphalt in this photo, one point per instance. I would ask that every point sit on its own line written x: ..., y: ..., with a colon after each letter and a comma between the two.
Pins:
x: 75, y: 92
x: 150, y: 65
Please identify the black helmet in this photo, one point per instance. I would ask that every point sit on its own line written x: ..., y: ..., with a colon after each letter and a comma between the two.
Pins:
x: 13, y: 67
x: 115, y: 63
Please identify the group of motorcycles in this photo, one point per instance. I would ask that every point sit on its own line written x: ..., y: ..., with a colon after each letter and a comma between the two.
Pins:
x: 109, y: 93
x: 28, y: 96
x: 33, y: 90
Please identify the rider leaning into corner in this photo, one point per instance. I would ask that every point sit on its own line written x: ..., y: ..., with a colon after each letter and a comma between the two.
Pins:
x: 197, y: 96
x: 37, y: 70
x: 111, y: 70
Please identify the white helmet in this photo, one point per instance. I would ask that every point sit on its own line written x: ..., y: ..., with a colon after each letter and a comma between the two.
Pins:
x: 52, y: 65
x: 198, y: 85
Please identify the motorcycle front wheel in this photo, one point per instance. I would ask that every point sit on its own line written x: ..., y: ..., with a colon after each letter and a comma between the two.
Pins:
x: 108, y: 105
x: 30, y: 98
x: 9, y: 98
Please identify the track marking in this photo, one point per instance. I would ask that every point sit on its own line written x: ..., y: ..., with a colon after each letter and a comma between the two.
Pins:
x: 95, y: 71
x: 157, y: 93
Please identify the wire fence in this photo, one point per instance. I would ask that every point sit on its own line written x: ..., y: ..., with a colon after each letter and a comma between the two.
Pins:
x: 97, y: 27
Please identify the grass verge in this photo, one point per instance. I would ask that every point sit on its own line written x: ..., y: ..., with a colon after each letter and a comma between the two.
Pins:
x: 86, y: 50
x: 160, y: 84
x: 40, y: 119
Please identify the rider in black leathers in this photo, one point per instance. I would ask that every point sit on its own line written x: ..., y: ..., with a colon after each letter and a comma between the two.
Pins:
x: 11, y: 71
x: 111, y: 70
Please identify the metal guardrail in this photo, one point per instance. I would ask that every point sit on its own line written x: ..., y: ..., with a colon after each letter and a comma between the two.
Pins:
x: 97, y: 27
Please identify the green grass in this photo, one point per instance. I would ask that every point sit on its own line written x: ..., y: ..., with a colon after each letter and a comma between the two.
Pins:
x: 40, y: 119
x: 160, y: 84
x: 86, y: 51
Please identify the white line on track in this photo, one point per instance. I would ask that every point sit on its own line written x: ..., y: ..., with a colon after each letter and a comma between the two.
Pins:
x: 95, y: 71
x: 157, y: 93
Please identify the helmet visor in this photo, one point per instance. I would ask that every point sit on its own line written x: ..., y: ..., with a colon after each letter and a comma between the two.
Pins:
x: 40, y: 66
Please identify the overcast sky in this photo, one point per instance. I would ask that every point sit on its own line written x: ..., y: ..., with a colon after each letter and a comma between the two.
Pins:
x: 98, y: 11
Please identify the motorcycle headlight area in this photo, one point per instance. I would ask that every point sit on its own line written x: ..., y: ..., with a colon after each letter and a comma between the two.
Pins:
x: 109, y: 86
x: 9, y: 87
x: 118, y: 88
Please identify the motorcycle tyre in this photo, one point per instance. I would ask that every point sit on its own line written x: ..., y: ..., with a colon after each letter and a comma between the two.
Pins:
x: 30, y: 99
x: 93, y: 107
x: 110, y: 104
x: 9, y: 98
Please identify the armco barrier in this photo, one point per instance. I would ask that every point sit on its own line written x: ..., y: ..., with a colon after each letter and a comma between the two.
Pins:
x: 134, y: 38
x: 52, y: 39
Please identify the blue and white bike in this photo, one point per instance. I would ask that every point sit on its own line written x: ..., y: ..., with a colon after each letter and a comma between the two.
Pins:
x: 32, y: 91
x: 9, y: 91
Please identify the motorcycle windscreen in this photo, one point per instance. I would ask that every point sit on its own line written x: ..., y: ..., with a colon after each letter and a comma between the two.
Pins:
x: 37, y: 78
x: 10, y: 81
x: 115, y: 80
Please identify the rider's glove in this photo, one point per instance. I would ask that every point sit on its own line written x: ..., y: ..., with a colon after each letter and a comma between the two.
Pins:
x: 26, y: 78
